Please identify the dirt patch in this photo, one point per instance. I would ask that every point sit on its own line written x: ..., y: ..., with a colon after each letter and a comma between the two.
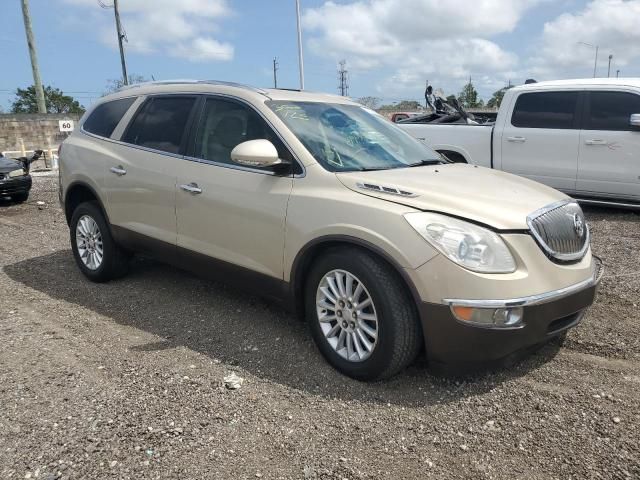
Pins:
x: 125, y: 380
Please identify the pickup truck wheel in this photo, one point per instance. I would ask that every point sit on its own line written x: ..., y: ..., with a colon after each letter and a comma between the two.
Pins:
x: 455, y: 157
x: 362, y: 319
x: 98, y: 256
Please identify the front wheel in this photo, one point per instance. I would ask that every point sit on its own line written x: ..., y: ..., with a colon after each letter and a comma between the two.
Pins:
x: 361, y: 315
x: 96, y: 253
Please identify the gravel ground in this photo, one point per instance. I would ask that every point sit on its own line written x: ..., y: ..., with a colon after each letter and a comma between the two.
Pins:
x: 125, y: 380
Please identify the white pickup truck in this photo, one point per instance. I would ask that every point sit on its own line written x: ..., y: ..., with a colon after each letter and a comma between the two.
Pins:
x: 579, y: 136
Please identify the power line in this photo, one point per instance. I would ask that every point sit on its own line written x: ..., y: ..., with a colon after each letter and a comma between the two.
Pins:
x: 343, y: 85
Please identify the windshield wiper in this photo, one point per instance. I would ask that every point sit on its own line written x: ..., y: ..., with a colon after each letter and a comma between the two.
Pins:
x: 428, y: 161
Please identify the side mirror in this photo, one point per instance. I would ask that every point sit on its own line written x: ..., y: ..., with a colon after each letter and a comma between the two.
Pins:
x: 634, y: 120
x: 257, y: 154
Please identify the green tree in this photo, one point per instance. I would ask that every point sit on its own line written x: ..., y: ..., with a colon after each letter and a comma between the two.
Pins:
x: 404, y: 105
x: 114, y: 84
x: 496, y: 98
x: 369, y: 102
x: 468, y: 97
x: 56, y: 100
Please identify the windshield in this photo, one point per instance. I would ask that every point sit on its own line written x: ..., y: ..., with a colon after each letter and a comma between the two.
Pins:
x: 345, y: 138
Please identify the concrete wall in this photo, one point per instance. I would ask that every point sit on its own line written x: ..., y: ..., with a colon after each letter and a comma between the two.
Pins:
x: 21, y: 133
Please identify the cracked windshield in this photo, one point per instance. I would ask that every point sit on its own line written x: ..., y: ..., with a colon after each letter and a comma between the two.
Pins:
x: 345, y: 138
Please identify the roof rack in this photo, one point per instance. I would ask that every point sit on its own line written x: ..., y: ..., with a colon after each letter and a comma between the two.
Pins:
x: 194, y: 82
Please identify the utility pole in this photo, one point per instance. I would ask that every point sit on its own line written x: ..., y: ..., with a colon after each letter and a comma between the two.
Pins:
x: 609, y: 69
x: 275, y: 75
x: 300, y: 61
x: 31, y: 43
x: 121, y: 36
x: 343, y: 85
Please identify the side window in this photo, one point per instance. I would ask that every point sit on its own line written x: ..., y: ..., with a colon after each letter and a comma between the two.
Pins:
x: 225, y: 124
x: 611, y: 110
x: 160, y: 124
x: 104, y: 119
x: 545, y: 110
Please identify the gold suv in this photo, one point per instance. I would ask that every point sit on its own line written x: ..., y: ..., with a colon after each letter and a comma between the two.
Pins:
x: 311, y: 199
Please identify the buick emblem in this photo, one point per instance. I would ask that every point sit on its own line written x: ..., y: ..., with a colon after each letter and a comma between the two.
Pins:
x: 578, y: 225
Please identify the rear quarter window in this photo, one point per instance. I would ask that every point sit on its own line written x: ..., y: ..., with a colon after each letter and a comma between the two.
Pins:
x: 105, y: 117
x: 545, y: 110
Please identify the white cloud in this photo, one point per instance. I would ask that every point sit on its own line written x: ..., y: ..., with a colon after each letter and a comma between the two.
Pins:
x: 181, y: 28
x: 445, y: 42
x: 613, y: 25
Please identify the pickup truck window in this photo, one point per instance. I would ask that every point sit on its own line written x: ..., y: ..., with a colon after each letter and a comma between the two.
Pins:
x: 346, y: 138
x: 611, y: 110
x: 545, y: 110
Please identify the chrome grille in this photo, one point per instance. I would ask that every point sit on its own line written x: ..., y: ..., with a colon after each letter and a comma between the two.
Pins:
x: 561, y: 230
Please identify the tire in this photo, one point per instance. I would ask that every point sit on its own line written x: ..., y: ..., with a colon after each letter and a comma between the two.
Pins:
x: 454, y: 157
x: 399, y: 336
x: 20, y: 197
x: 114, y: 262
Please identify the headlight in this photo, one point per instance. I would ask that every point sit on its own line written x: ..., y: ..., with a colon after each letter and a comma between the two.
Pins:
x: 467, y: 244
x: 16, y: 173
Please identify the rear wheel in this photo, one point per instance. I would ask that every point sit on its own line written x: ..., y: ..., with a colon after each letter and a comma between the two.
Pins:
x: 361, y: 316
x: 96, y: 253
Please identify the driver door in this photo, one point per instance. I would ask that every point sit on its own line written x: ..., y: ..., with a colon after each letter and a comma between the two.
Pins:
x: 226, y: 211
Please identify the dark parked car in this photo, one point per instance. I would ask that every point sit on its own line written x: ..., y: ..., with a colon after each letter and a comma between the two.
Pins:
x: 15, y: 181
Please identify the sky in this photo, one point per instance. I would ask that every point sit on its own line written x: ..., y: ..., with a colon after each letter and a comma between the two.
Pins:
x: 391, y: 47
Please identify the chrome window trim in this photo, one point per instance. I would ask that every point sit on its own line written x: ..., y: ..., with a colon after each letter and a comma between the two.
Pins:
x: 131, y: 145
x: 201, y: 160
x: 234, y: 166
x: 538, y: 299
x: 563, y: 257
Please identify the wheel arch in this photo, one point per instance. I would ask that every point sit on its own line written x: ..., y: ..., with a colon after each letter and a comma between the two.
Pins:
x: 315, y: 248
x: 77, y: 193
x: 453, y: 155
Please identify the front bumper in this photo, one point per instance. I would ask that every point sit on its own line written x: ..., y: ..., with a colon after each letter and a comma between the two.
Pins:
x: 456, y: 346
x: 15, y: 186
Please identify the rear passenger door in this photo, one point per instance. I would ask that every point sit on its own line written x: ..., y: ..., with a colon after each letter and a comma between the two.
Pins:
x: 540, y: 141
x: 226, y: 211
x: 609, y: 162
x: 141, y: 174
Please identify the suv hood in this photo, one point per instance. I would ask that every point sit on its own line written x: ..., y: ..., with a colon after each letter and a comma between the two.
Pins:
x: 491, y: 197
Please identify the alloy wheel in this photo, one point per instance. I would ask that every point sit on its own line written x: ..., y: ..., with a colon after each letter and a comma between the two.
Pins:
x: 89, y: 242
x: 347, y: 315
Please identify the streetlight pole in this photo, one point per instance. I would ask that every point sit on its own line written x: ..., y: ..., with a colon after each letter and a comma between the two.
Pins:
x: 595, y: 63
x: 300, y: 60
x: 609, y: 68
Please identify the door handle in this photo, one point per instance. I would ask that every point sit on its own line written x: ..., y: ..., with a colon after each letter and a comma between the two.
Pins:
x: 191, y: 188
x: 118, y: 170
x: 516, y: 139
x: 596, y: 142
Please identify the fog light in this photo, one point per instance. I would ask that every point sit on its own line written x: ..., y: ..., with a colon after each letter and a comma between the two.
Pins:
x: 489, y: 317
